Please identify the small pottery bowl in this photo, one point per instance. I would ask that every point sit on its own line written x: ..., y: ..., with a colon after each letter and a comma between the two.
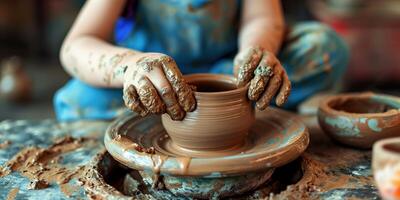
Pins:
x: 386, y: 167
x: 222, y: 118
x: 360, y: 119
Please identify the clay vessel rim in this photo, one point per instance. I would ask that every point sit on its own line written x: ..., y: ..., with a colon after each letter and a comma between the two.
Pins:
x: 265, y: 158
x: 324, y: 105
x: 215, y: 77
x: 379, y: 146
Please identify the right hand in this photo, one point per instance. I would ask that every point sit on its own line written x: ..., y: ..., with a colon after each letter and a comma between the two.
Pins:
x: 266, y: 76
x: 154, y: 84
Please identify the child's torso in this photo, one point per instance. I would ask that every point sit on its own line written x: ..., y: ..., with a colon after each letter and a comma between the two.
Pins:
x: 191, y: 31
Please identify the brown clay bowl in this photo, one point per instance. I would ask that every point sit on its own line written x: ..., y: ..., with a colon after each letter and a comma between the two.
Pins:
x: 360, y: 119
x: 386, y: 167
x: 222, y: 118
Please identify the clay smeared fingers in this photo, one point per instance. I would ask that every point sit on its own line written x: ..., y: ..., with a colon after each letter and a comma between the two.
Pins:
x: 167, y: 94
x: 172, y: 106
x: 245, y: 63
x: 132, y: 101
x: 182, y: 89
x: 271, y: 90
x: 149, y: 97
x: 261, y: 77
x: 284, y: 91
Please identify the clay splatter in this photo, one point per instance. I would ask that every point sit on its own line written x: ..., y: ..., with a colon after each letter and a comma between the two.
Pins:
x: 12, y: 194
x: 41, y: 165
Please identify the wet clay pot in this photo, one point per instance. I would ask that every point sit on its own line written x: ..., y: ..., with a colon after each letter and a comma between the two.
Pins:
x: 275, y: 139
x: 360, y: 119
x: 222, y: 118
x: 386, y: 167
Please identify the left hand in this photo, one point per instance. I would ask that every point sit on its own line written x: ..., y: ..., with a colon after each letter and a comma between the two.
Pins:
x: 266, y: 75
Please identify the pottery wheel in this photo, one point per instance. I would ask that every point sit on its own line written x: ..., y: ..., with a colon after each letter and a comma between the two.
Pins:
x: 276, y: 138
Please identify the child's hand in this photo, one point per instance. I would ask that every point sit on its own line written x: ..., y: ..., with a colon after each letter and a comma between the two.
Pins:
x: 265, y: 74
x: 154, y: 84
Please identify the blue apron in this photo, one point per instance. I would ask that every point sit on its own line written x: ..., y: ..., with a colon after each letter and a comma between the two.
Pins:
x: 196, y: 33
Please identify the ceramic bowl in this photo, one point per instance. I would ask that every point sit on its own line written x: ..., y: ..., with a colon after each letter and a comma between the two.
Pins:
x: 360, y: 119
x: 386, y: 167
x: 222, y: 118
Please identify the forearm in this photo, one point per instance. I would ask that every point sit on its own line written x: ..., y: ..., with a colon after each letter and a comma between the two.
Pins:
x: 85, y: 53
x: 262, y: 32
x: 95, y: 61
x: 262, y: 25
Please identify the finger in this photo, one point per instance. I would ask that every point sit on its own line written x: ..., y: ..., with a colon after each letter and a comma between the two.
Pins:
x: 132, y: 101
x: 262, y: 75
x: 246, y: 63
x: 273, y: 86
x: 173, y: 108
x: 284, y: 91
x: 167, y: 95
x: 182, y: 89
x: 149, y: 97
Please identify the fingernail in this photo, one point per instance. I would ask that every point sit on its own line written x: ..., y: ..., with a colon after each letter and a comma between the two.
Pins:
x: 261, y: 106
x: 178, y: 117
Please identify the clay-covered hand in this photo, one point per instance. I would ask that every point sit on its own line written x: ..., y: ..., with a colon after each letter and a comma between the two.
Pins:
x: 266, y: 75
x: 154, y: 84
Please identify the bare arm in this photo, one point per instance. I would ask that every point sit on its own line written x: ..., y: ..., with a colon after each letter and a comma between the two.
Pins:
x: 152, y: 82
x: 260, y: 37
x: 86, y: 53
x: 262, y: 25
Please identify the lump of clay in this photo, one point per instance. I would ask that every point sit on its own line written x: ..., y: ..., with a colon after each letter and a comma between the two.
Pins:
x: 38, y: 184
x: 15, y: 84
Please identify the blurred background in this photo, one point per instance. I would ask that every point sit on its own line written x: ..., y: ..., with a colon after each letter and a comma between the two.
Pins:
x: 31, y: 33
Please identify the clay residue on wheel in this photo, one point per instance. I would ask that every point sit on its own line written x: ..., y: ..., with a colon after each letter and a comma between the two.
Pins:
x: 40, y: 165
x: 157, y: 160
x: 126, y: 143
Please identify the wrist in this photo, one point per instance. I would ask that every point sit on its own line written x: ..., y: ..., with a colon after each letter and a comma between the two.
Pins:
x: 118, y: 72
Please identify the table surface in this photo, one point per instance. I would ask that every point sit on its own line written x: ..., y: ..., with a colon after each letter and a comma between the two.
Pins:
x: 330, y: 171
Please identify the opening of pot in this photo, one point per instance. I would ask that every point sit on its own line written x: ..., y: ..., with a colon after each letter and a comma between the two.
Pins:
x: 210, y: 86
x: 359, y: 105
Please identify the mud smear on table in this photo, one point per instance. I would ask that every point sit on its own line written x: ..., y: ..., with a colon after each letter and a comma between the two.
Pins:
x: 5, y: 144
x: 12, y: 194
x: 41, y: 165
